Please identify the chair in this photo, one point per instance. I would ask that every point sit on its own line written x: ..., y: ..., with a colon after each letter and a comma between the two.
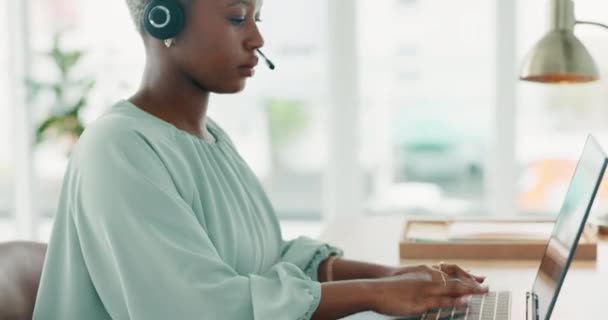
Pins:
x: 20, y: 269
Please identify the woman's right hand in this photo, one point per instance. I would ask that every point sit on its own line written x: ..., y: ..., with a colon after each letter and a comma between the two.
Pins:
x: 421, y: 291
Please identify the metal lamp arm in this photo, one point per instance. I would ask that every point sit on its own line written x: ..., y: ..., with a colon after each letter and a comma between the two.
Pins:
x: 592, y: 23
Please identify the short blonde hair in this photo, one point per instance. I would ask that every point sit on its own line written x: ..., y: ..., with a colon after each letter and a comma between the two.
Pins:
x: 136, y: 8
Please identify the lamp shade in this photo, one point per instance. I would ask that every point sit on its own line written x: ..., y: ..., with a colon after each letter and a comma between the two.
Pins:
x: 559, y: 57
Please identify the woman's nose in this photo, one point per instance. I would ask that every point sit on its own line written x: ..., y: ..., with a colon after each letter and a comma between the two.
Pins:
x: 256, y: 40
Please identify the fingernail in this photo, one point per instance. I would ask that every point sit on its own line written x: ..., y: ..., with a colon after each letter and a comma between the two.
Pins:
x: 464, y: 300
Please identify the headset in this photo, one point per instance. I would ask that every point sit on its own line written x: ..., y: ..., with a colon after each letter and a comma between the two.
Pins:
x: 165, y: 19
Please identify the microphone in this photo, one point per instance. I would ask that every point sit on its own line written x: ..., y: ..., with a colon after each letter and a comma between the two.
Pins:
x: 268, y: 62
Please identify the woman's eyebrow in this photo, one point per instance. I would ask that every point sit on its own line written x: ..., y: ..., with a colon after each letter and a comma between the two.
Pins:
x: 239, y: 2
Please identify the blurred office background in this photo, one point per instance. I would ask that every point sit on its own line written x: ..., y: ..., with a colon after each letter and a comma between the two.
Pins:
x: 377, y: 107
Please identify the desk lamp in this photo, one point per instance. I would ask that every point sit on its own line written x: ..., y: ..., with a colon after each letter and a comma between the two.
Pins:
x: 560, y: 57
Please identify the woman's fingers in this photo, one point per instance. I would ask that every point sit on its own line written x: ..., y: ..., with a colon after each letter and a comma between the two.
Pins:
x: 438, y: 302
x: 454, y: 293
x: 456, y: 288
x: 456, y: 271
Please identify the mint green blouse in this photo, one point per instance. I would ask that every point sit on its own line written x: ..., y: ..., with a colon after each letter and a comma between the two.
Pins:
x: 154, y: 223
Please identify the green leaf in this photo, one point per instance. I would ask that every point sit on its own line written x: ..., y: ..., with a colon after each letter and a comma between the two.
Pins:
x: 64, y: 111
x: 44, y: 126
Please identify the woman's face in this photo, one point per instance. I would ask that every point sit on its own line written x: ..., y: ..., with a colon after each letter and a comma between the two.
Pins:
x: 216, y: 49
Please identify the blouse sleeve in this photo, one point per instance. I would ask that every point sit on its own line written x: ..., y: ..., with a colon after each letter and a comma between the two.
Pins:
x: 148, y: 256
x: 308, y: 254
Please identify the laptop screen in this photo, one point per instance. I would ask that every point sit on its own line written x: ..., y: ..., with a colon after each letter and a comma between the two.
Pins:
x: 568, y: 227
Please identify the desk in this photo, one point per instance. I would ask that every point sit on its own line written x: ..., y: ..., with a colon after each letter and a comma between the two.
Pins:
x: 376, y: 239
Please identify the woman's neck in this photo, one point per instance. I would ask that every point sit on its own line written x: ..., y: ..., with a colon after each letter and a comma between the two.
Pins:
x: 169, y: 95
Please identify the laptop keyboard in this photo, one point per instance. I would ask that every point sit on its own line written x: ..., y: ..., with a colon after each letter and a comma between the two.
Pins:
x: 493, y: 306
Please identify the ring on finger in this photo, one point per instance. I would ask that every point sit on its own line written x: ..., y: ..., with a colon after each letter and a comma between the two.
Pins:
x: 441, y: 263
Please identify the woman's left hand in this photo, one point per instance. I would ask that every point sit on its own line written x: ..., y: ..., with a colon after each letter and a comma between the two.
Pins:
x: 451, y: 270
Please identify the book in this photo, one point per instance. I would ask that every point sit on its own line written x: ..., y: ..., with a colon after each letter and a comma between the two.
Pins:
x: 482, y: 239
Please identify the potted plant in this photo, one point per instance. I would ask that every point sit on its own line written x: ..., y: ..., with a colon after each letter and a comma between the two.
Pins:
x: 62, y: 121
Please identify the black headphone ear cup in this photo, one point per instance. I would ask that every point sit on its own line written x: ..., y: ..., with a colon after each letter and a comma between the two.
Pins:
x: 164, y: 19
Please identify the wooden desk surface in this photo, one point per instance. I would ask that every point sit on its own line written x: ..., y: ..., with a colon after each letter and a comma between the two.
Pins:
x: 376, y: 239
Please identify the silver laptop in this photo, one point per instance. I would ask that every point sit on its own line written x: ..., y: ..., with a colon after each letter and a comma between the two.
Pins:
x: 539, y: 302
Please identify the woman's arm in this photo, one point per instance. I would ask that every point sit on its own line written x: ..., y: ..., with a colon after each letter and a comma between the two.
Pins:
x: 342, y: 298
x: 344, y: 269
x: 413, y: 294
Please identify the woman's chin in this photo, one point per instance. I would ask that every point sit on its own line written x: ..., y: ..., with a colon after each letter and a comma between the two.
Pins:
x: 235, y: 87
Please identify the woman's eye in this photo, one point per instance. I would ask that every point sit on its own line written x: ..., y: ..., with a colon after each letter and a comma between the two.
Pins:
x: 237, y: 21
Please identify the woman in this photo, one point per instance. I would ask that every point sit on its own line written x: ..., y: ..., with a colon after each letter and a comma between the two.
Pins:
x: 160, y: 218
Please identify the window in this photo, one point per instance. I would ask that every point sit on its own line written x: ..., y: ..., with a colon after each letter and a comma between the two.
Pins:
x: 6, y: 134
x: 553, y: 120
x: 428, y: 90
x: 428, y: 96
x: 279, y: 122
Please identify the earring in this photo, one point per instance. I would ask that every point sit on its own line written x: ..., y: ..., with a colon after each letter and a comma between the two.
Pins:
x: 169, y: 42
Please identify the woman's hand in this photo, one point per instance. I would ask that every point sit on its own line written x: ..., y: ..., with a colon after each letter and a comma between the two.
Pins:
x: 452, y: 270
x: 423, y: 288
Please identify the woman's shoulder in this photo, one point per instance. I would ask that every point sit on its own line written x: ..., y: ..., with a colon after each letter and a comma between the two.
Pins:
x: 123, y: 127
x: 125, y: 118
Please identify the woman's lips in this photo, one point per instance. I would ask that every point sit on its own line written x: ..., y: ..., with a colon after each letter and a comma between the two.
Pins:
x: 247, y: 71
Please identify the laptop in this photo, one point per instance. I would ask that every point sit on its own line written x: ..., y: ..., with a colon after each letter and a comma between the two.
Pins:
x: 541, y: 299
